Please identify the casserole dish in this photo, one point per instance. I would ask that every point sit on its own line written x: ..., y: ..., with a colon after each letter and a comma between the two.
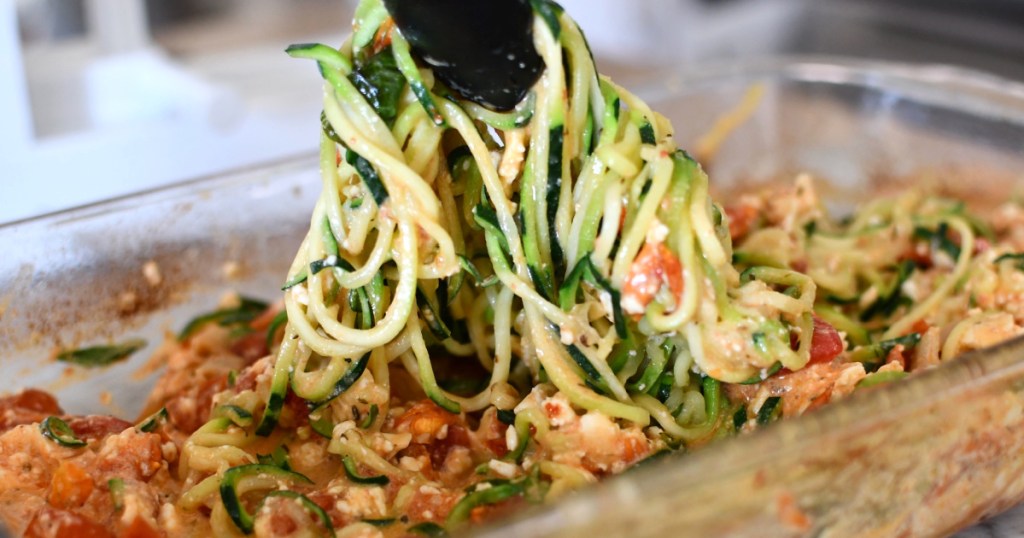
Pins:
x: 910, y: 458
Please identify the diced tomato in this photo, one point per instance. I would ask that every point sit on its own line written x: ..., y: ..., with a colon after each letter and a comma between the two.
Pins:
x: 51, y: 522
x: 439, y: 449
x: 826, y: 343
x: 633, y: 449
x: 32, y: 400
x: 135, y: 455
x: 741, y: 219
x: 424, y: 419
x: 672, y: 270
x: 896, y: 355
x: 435, y: 432
x: 383, y: 37
x: 654, y: 266
x: 70, y: 486
x: 492, y: 433
x: 26, y: 407
x: 97, y: 426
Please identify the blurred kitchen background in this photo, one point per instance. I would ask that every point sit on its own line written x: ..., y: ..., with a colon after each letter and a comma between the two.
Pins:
x: 101, y: 98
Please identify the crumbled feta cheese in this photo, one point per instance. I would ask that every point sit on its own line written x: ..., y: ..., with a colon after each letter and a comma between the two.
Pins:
x: 566, y: 334
x: 657, y: 232
x: 411, y: 464
x: 503, y: 468
x: 340, y: 429
x: 427, y: 489
x: 169, y: 519
x: 300, y: 294
x: 606, y: 303
x: 511, y: 439
x: 631, y: 304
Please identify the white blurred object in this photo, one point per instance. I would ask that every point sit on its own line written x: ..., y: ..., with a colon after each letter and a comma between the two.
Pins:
x: 86, y: 119
x: 17, y: 129
x: 131, y: 81
x: 117, y: 25
x: 144, y: 85
x: 653, y: 33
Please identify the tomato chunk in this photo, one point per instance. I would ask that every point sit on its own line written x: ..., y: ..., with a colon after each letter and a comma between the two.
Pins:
x: 424, y: 420
x: 653, y: 267
x: 26, y: 407
x: 97, y: 426
x: 826, y: 344
x: 70, y: 487
x: 742, y: 218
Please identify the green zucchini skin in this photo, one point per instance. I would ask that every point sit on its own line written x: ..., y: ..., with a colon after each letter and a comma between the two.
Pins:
x: 347, y: 380
x: 308, y: 504
x: 432, y: 315
x: 279, y: 321
x: 494, y: 494
x: 58, y: 431
x: 353, y: 474
x: 369, y: 176
x: 556, y: 140
x: 116, y: 487
x: 229, y: 490
x: 872, y: 355
x: 152, y: 422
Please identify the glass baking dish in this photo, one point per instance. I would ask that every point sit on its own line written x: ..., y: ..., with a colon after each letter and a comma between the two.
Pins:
x: 923, y: 457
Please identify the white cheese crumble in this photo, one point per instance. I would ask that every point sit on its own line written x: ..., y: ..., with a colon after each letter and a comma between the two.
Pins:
x: 511, y: 439
x: 657, y: 232
x: 502, y: 468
